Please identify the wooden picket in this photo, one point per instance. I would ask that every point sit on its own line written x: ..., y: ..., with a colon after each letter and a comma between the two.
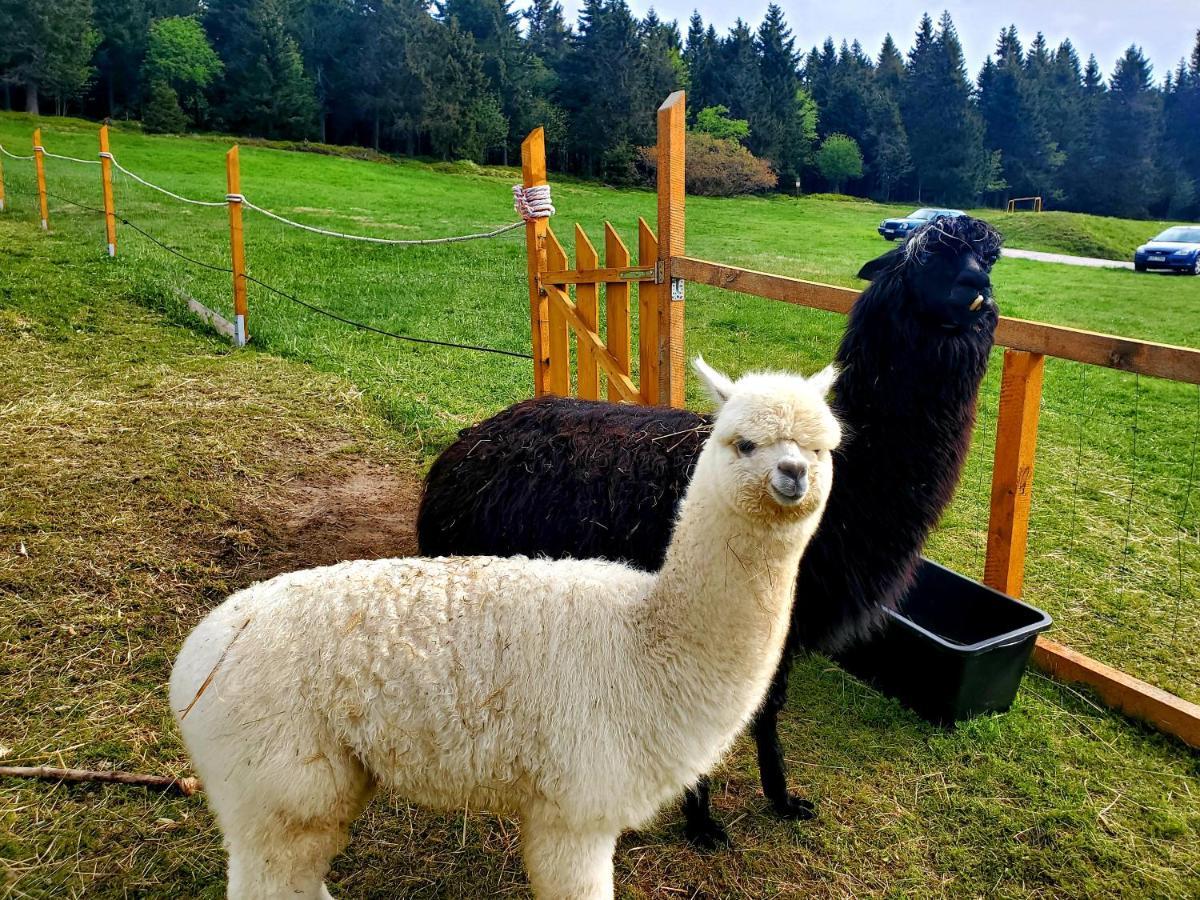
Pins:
x: 554, y: 315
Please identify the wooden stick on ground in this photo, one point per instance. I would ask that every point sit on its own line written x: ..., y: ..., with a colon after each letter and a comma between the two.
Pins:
x: 185, y: 786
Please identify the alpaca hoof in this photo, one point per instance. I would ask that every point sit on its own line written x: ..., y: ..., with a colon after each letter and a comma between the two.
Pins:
x: 796, y: 809
x: 708, y: 835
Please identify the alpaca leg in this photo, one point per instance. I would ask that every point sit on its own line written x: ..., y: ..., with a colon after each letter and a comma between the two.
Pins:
x: 770, y: 754
x: 282, y: 829
x: 564, y: 864
x: 701, y: 829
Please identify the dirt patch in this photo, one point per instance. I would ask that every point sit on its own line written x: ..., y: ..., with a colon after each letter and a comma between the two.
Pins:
x: 359, y: 510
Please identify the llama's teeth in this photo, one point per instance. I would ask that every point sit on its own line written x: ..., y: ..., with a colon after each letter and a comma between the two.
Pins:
x: 976, y: 303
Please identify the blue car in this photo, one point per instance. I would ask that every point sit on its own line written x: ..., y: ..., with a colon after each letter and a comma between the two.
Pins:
x: 1176, y: 249
x: 901, y: 228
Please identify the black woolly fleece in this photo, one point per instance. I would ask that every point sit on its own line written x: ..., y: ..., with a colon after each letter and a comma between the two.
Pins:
x: 563, y: 477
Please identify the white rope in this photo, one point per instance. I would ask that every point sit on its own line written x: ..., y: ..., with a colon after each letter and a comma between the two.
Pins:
x: 12, y: 155
x: 162, y: 190
x: 86, y: 162
x: 532, y: 202
x: 235, y: 198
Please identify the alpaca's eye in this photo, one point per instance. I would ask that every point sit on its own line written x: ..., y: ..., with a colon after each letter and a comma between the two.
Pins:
x: 745, y: 446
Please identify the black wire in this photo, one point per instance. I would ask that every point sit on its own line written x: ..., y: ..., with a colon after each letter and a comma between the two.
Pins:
x: 391, y: 334
x: 297, y: 300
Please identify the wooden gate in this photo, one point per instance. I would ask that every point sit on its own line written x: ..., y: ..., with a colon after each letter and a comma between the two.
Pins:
x: 554, y: 313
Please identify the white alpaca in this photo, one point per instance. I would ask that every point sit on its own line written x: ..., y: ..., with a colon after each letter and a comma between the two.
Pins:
x: 578, y: 695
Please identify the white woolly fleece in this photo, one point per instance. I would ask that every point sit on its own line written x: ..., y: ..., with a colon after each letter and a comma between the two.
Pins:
x: 579, y: 695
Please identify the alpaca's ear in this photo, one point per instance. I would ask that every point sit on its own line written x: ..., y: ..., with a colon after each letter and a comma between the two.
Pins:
x: 823, y: 381
x: 719, y: 387
x: 882, y: 264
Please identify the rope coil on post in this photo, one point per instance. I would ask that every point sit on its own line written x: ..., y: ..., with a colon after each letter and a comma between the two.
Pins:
x: 532, y: 202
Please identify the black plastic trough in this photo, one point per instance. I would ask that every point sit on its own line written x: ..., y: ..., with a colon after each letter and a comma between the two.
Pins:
x: 956, y: 649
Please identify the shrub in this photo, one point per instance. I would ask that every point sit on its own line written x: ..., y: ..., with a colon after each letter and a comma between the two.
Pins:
x: 619, y: 164
x: 717, y: 168
x: 163, y: 114
x: 715, y: 120
x: 839, y: 159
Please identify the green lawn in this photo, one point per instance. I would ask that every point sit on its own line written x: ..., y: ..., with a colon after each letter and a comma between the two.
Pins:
x: 1055, y: 798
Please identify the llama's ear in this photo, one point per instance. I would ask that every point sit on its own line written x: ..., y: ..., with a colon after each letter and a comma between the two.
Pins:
x: 881, y: 264
x: 719, y: 387
x: 823, y: 381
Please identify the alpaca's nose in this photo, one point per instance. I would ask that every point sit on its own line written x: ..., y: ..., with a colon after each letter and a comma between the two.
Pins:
x: 791, y: 478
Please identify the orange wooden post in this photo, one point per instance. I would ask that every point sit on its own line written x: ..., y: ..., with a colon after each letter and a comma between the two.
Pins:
x: 110, y: 217
x: 616, y: 305
x: 1012, y: 472
x: 672, y: 136
x: 237, y: 249
x: 533, y: 173
x: 648, y: 294
x: 40, y: 165
x: 558, y: 374
x: 587, y: 302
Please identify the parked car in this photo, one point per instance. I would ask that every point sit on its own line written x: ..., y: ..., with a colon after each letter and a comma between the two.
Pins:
x: 1177, y: 249
x: 899, y: 228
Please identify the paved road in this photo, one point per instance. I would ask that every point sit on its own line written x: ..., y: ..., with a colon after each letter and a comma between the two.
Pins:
x: 1067, y: 260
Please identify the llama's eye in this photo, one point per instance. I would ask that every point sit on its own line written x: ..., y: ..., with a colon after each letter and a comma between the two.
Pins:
x: 745, y: 447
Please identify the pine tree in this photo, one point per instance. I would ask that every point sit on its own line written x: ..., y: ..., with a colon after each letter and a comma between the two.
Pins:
x: 327, y: 32
x: 701, y: 55
x: 777, y: 123
x: 1181, y: 118
x: 889, y: 68
x: 47, y: 47
x: 124, y: 27
x: 548, y: 35
x: 163, y: 114
x: 604, y: 81
x: 739, y: 63
x: 945, y: 132
x: 1129, y: 134
x: 265, y: 90
x: 1012, y: 106
x: 507, y: 58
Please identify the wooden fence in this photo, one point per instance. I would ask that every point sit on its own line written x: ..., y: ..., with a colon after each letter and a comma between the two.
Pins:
x: 663, y: 270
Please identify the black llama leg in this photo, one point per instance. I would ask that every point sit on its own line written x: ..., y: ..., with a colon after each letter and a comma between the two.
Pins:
x: 770, y: 753
x: 701, y: 829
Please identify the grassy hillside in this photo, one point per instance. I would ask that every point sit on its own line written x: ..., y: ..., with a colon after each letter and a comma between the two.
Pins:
x: 1113, y: 553
x: 149, y: 470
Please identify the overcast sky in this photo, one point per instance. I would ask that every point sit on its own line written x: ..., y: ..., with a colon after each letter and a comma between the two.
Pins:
x: 1165, y: 29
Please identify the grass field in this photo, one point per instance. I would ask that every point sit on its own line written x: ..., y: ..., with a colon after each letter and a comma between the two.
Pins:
x: 149, y: 462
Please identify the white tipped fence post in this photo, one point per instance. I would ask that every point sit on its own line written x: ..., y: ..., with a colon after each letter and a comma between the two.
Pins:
x: 110, y: 217
x: 233, y: 181
x: 40, y: 165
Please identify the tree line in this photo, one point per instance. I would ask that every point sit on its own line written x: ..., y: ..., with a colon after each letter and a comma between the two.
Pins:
x: 469, y: 78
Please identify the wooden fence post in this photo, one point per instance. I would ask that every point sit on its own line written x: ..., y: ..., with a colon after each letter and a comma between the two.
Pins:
x: 533, y: 174
x: 1, y: 185
x: 1012, y: 472
x: 40, y: 165
x: 233, y: 182
x: 110, y: 216
x: 672, y: 136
